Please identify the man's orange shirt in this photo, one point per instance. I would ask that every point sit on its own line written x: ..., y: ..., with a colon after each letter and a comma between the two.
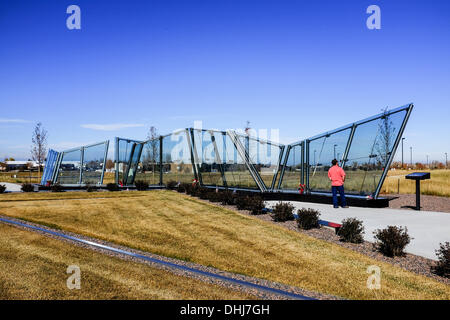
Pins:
x: 336, y: 175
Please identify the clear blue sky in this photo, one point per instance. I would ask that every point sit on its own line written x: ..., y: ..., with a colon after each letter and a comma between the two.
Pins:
x: 302, y: 67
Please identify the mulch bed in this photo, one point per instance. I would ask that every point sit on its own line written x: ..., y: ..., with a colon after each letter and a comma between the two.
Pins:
x: 428, y: 203
x: 409, y: 262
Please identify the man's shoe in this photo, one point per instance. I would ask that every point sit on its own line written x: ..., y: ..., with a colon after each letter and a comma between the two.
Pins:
x: 336, y: 207
x: 345, y: 207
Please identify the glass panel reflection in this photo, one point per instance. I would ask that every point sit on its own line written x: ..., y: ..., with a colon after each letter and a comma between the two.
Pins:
x: 93, y: 160
x: 176, y: 157
x: 293, y: 169
x: 69, y: 169
x: 149, y: 168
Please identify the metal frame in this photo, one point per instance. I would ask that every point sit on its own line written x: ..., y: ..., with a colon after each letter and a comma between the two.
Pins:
x: 55, y: 174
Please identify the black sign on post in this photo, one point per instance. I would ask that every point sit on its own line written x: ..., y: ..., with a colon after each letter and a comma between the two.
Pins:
x: 418, y: 176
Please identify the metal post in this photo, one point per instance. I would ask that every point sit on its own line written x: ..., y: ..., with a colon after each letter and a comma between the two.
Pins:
x: 417, y: 194
x: 194, y: 158
x: 302, y: 161
x: 82, y: 164
x: 410, y: 150
x: 280, y: 157
x: 446, y: 164
x: 160, y: 160
x: 307, y: 165
x: 347, y: 147
x: 116, y: 163
x: 218, y: 159
x: 283, y: 167
x: 104, y: 161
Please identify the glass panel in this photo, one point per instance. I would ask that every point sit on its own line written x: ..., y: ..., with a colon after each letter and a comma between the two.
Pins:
x: 293, y: 169
x: 371, y: 147
x: 93, y: 160
x: 69, y: 170
x: 321, y: 152
x: 264, y: 156
x: 124, y: 156
x: 208, y: 155
x: 177, y: 165
x: 134, y: 163
x: 149, y: 168
x: 235, y: 169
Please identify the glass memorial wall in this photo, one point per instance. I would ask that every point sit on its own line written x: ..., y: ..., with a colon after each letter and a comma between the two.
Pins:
x: 264, y: 156
x: 150, y: 168
x: 176, y: 158
x: 122, y: 157
x: 364, y: 149
x: 291, y: 173
x: 84, y: 165
x: 322, y: 150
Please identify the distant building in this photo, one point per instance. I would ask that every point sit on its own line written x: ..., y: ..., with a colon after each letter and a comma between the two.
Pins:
x: 21, y: 165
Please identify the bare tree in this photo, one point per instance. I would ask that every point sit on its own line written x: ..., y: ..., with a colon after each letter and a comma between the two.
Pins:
x: 385, y: 142
x: 39, y: 145
x: 152, y: 149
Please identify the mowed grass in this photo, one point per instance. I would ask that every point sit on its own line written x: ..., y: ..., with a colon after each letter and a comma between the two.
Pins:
x: 176, y: 225
x: 438, y: 185
x: 34, y: 267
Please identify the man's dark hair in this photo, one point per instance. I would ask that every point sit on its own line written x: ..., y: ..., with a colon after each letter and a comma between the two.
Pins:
x: 334, y: 162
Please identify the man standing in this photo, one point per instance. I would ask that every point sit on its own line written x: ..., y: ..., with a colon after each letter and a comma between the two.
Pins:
x: 337, y: 178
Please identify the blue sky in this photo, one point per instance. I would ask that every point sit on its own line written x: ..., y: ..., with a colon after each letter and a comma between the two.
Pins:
x: 302, y: 67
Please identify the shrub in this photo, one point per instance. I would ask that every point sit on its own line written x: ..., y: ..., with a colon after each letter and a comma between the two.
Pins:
x: 27, y: 187
x: 202, y: 193
x: 90, y: 188
x: 392, y: 240
x: 352, y: 230
x: 215, y: 196
x: 2, y: 188
x: 282, y: 212
x: 255, y: 205
x: 242, y: 202
x: 112, y: 187
x: 56, y: 188
x: 308, y: 218
x: 141, y: 185
x: 172, y: 185
x: 228, y: 198
x: 181, y: 188
x: 442, y: 268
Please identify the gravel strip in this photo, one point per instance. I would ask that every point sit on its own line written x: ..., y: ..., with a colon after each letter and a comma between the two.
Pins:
x: 428, y: 203
x: 409, y: 262
x: 260, y: 294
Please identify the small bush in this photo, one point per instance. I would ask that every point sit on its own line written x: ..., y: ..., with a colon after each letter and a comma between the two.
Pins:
x: 215, y: 196
x: 242, y: 202
x: 282, y: 212
x: 442, y: 268
x: 181, y: 188
x: 172, y: 185
x: 202, y: 193
x: 391, y: 241
x: 308, y: 219
x: 2, y: 188
x: 56, y: 188
x: 352, y: 230
x: 27, y: 187
x: 255, y: 205
x: 90, y: 188
x: 112, y: 187
x: 141, y: 185
x: 228, y: 198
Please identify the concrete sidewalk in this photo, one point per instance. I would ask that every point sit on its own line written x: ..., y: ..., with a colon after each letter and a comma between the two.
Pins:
x: 426, y: 227
x: 12, y: 187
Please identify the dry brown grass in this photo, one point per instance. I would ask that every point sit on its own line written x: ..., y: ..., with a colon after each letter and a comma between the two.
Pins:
x: 438, y: 185
x: 175, y: 225
x: 34, y: 267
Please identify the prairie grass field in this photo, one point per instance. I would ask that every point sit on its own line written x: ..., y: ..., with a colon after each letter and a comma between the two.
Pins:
x: 33, y: 266
x: 179, y: 226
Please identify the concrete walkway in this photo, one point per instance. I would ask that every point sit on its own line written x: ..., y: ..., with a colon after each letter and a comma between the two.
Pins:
x: 12, y: 187
x: 426, y: 227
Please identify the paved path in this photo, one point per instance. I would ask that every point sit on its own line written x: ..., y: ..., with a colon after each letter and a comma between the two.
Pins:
x: 428, y: 228
x: 11, y: 187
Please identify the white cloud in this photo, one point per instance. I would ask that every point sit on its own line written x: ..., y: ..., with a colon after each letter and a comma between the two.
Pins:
x: 3, y: 120
x: 111, y: 127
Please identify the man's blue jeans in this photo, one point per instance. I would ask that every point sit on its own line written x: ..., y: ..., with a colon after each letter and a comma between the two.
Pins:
x: 335, y: 190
